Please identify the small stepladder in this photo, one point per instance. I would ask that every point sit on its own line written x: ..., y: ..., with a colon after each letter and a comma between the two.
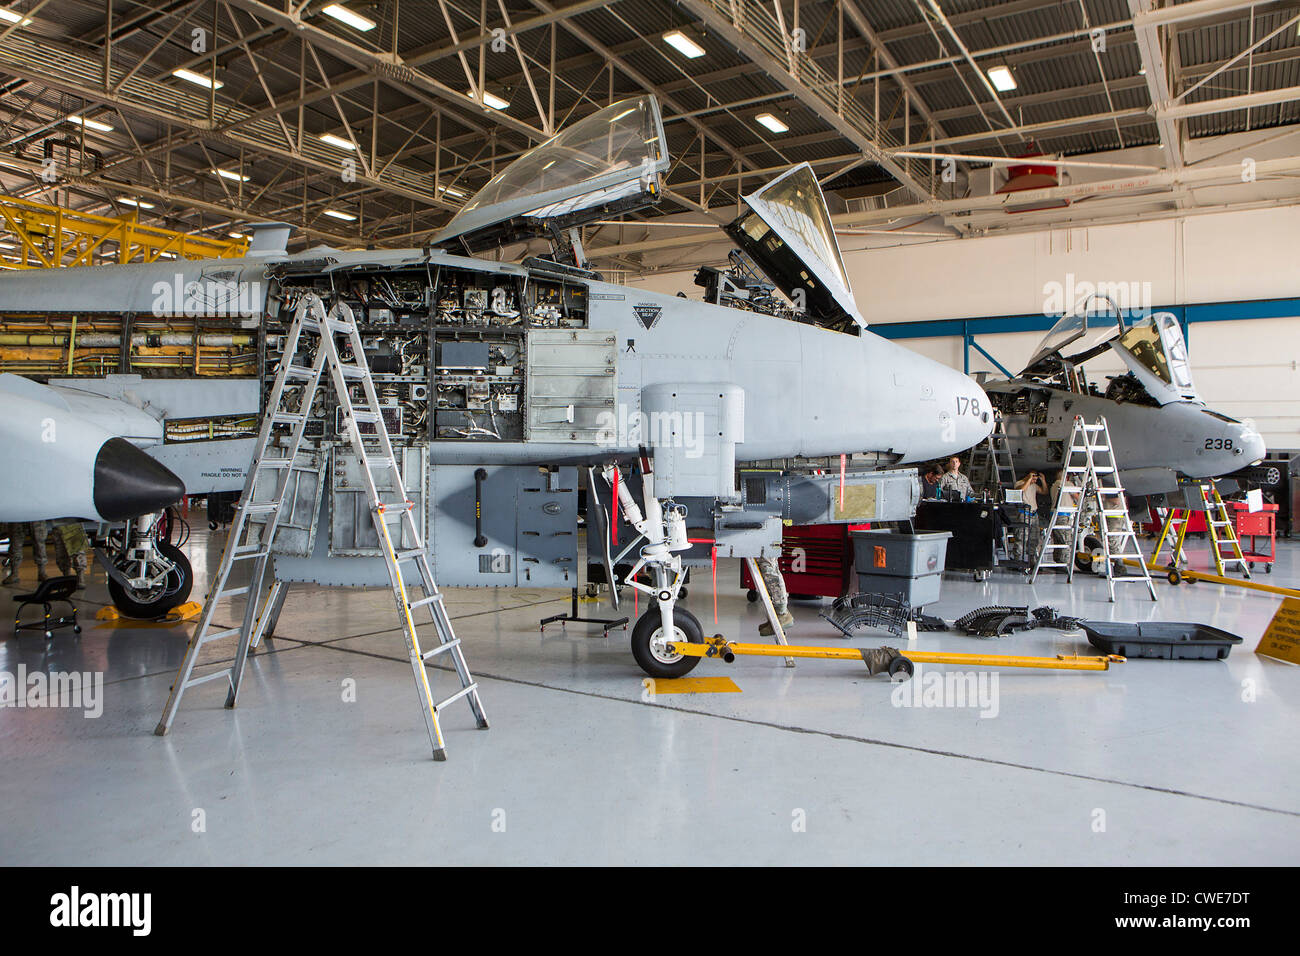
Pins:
x: 258, y: 516
x: 1225, y: 546
x: 991, y: 465
x: 1090, y: 488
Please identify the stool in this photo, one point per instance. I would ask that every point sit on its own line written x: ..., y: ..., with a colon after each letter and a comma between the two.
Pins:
x: 50, y: 591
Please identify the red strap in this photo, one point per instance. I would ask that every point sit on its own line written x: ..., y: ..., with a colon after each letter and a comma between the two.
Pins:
x: 613, y: 525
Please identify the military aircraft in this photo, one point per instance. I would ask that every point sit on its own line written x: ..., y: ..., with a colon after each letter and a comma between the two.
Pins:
x: 507, y: 387
x: 1161, y: 428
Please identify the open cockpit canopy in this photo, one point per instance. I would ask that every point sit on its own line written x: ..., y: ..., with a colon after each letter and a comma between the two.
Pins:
x: 788, y: 233
x: 605, y: 164
x: 1152, y: 346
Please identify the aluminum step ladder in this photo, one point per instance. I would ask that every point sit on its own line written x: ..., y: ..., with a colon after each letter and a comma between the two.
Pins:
x: 1091, y: 492
x: 991, y: 465
x: 276, y: 460
x: 1225, y: 546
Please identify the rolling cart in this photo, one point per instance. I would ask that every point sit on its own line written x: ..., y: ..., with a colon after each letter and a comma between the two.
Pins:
x: 1256, y: 530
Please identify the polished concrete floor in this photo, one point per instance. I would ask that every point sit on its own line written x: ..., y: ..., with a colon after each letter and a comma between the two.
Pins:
x: 1152, y: 762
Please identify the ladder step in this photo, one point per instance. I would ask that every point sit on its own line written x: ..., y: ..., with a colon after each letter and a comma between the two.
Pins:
x: 251, y: 551
x: 432, y: 599
x: 428, y: 655
x: 407, y: 554
x: 275, y: 463
x: 234, y: 592
x: 471, y: 688
x: 218, y: 635
x: 353, y: 372
x: 205, y: 678
x: 287, y: 418
x: 270, y: 507
x: 299, y: 372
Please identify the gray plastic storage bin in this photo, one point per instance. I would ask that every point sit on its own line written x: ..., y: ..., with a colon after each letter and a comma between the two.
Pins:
x: 909, y: 566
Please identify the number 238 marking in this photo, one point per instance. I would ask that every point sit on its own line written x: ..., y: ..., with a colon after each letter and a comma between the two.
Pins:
x: 968, y: 406
x: 1218, y: 444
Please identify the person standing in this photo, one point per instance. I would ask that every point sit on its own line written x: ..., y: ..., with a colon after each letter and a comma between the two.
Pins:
x: 70, y: 550
x: 17, y: 532
x: 954, y: 480
x: 770, y: 569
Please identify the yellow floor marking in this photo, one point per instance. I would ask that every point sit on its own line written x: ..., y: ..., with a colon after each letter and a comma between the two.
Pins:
x: 695, y: 685
x: 110, y: 617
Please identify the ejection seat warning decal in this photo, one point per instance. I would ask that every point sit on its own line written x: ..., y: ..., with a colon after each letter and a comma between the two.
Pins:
x: 1281, y: 639
x: 648, y: 314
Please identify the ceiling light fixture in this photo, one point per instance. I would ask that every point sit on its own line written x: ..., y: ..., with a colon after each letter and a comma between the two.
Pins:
x: 10, y: 16
x: 198, y: 79
x: 1002, y: 79
x: 336, y: 214
x: 139, y: 204
x: 684, y: 45
x: 233, y: 177
x: 771, y: 122
x: 342, y: 14
x: 90, y: 124
x: 496, y: 102
x: 338, y: 141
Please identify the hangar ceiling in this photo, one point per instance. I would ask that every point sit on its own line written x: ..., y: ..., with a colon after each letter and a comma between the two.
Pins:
x: 370, y: 123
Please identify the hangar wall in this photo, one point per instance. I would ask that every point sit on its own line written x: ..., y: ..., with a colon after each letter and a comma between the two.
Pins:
x: 1248, y: 369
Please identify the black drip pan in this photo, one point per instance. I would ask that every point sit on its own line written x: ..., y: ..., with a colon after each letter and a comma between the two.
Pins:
x: 1167, y: 640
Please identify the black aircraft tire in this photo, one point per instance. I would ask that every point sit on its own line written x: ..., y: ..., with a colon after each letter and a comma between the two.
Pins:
x: 178, y: 590
x: 647, y: 626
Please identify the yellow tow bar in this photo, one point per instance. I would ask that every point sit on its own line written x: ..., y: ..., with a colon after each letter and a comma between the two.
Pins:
x: 889, y: 659
x: 1177, y: 575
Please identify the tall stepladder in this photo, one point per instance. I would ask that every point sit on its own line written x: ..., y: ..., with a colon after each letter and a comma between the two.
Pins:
x: 280, y: 461
x: 1090, y: 491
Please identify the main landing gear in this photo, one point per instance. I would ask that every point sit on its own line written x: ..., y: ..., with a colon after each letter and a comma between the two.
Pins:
x: 661, y: 533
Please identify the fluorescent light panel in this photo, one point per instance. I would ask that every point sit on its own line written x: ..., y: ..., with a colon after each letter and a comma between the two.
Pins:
x: 336, y: 214
x: 1002, y: 79
x: 771, y: 122
x: 10, y: 17
x: 139, y: 204
x: 198, y: 79
x: 343, y: 15
x: 496, y: 102
x: 90, y: 124
x: 451, y: 191
x: 338, y: 141
x: 683, y: 44
x: 233, y: 177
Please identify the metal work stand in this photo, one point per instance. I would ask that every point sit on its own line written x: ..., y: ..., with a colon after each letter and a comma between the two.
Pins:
x: 606, y: 624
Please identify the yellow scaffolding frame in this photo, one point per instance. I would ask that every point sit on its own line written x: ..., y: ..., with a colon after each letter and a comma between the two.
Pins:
x: 54, y: 237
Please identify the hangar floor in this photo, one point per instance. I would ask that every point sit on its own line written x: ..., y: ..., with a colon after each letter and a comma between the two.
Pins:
x: 1150, y: 763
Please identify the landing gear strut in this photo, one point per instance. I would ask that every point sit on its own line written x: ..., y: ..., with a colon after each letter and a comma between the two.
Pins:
x: 662, y: 528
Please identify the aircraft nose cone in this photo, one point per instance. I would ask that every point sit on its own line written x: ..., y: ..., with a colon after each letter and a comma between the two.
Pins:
x: 128, y: 483
x: 1252, y: 445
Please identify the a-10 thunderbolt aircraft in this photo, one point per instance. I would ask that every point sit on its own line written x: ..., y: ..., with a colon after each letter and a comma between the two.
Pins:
x: 508, y: 387
x: 1161, y: 427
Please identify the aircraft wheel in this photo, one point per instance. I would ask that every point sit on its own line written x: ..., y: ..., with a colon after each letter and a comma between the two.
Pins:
x: 647, y: 643
x: 158, y: 601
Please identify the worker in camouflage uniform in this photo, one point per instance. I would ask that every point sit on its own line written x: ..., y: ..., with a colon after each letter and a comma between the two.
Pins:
x: 18, y: 531
x: 776, y: 590
x: 71, y: 549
